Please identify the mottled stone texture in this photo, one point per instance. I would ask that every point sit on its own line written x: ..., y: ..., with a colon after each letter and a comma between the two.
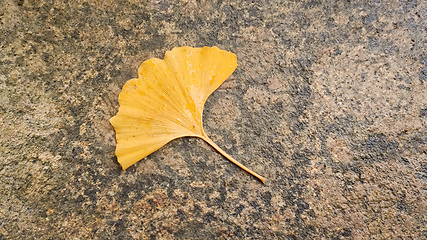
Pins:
x: 329, y: 102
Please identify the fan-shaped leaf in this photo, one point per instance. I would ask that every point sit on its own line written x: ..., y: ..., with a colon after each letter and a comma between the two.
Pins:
x: 166, y: 101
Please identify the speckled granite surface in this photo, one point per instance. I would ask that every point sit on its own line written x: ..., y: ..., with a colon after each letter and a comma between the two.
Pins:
x: 329, y: 102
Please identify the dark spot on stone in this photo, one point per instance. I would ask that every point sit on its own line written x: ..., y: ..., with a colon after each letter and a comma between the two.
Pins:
x: 346, y: 232
x: 222, y: 195
x: 231, y: 22
x: 20, y: 2
x: 301, y: 20
x: 238, y: 233
x: 209, y: 217
x: 254, y: 204
x: 238, y: 210
x: 402, y: 205
x: 423, y: 173
x: 373, y: 42
x: 266, y: 197
x: 423, y: 112
x: 80, y: 199
x: 304, y: 64
x: 403, y: 87
x: 131, y: 50
x: 273, y: 151
x: 291, y: 237
x: 409, y: 4
x: 277, y: 107
x: 197, y: 210
x: 331, y: 22
x: 91, y: 193
x: 181, y: 215
x: 423, y: 74
x: 292, y: 194
x: 75, y: 35
x: 85, y: 9
x: 141, y: 17
x: 45, y: 57
x: 77, y: 151
x: 376, y: 148
x: 119, y: 225
x: 301, y: 207
x: 301, y: 159
x: 370, y: 18
x: 298, y: 127
x: 404, y: 160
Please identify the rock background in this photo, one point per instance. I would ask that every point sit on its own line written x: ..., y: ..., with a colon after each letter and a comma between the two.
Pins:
x: 329, y: 103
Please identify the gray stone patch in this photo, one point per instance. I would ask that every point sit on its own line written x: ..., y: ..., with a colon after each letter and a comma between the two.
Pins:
x: 328, y: 103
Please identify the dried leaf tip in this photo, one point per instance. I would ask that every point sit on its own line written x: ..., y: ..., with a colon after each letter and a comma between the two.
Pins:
x: 166, y: 101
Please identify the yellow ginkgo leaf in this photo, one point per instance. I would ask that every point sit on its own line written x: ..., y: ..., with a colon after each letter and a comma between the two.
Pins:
x: 166, y: 101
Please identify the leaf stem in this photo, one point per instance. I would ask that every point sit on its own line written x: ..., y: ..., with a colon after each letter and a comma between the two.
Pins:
x: 208, y: 140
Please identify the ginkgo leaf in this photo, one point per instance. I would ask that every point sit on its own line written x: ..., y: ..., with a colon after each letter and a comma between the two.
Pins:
x: 166, y: 101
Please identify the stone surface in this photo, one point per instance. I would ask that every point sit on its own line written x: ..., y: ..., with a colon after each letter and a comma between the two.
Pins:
x: 329, y: 103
